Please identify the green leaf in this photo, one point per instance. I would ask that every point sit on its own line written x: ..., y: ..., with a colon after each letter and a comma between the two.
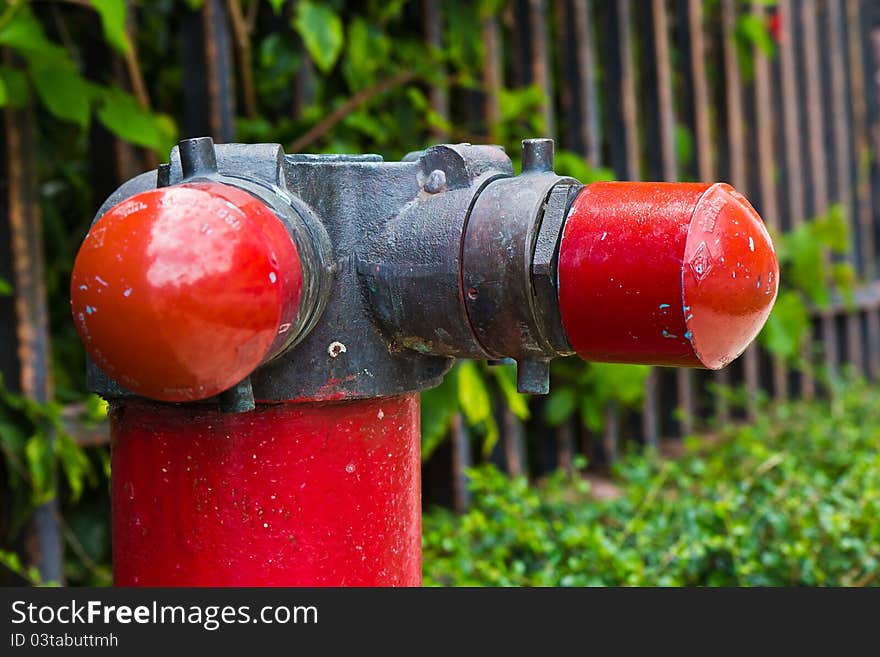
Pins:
x: 25, y: 34
x: 121, y: 114
x: 560, y: 406
x: 476, y: 402
x: 96, y: 408
x: 517, y: 402
x: 6, y: 289
x: 14, y: 87
x: 568, y: 163
x: 832, y: 229
x: 277, y: 6
x: 321, y: 31
x: 753, y: 29
x: 624, y: 384
x: 684, y: 145
x: 802, y: 250
x: 40, y: 468
x: 112, y: 13
x: 844, y: 276
x: 438, y: 406
x: 74, y: 464
x: 63, y: 92
x: 591, y: 411
x: 787, y: 327
x: 368, y: 49
x: 473, y: 395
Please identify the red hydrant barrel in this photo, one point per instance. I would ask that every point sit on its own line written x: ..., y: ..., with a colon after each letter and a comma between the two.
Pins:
x: 308, y: 494
x: 178, y: 293
x: 679, y: 274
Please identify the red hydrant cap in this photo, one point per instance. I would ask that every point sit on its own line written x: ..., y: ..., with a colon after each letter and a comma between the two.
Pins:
x: 178, y: 293
x: 679, y: 274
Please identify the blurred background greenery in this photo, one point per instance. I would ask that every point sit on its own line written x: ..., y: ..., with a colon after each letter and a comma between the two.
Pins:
x: 774, y: 492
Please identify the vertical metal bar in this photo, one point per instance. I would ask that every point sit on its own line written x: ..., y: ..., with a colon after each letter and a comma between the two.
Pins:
x: 650, y: 411
x: 728, y: 26
x: 702, y: 104
x: 541, y: 76
x: 793, y: 156
x: 858, y: 101
x: 706, y: 170
x: 587, y: 89
x: 859, y: 106
x: 765, y: 120
x: 111, y: 160
x: 840, y: 98
x: 628, y: 89
x: 461, y: 461
x: 791, y: 115
x: 439, y: 96
x: 492, y: 74
x: 818, y: 161
x: 31, y: 307
x: 219, y: 68
x: 514, y: 443
x: 305, y: 85
x: 669, y: 168
x: 611, y: 433
x: 568, y: 77
x: 565, y: 446
x: 863, y: 176
x: 666, y: 110
x: 737, y: 149
x: 733, y: 97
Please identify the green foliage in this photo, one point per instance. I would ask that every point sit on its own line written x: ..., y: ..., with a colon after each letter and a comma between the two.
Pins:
x: 438, y: 407
x: 787, y: 326
x: 585, y: 389
x: 793, y: 499
x: 752, y: 33
x: 518, y: 403
x: 277, y: 5
x: 474, y: 397
x: 321, y: 31
x: 810, y: 278
x: 12, y: 562
x: 120, y: 113
x: 63, y: 91
x: 571, y: 164
x: 469, y: 389
x: 36, y: 445
x: 355, y: 47
x: 112, y: 13
x: 684, y: 146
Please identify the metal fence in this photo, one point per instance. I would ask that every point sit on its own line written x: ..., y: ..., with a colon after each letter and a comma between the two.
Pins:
x: 623, y: 81
x: 796, y: 131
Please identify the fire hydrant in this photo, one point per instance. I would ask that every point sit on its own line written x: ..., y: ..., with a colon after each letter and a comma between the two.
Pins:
x: 262, y: 325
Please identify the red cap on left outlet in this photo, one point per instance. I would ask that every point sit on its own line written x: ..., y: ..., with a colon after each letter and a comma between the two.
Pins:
x: 179, y: 293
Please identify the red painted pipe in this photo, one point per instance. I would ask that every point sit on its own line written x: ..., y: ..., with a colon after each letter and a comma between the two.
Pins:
x: 679, y: 274
x: 287, y: 495
x: 180, y: 292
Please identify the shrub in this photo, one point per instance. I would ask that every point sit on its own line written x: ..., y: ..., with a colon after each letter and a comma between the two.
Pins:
x: 792, y: 499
